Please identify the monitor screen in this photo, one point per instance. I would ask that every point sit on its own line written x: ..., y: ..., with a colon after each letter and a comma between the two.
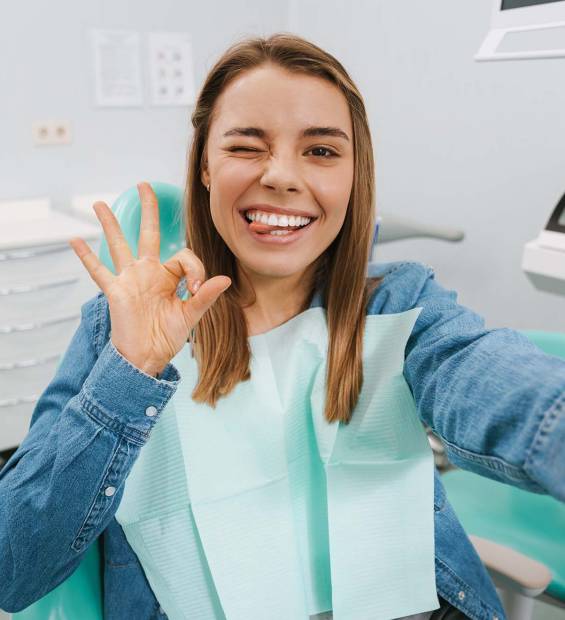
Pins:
x: 516, y: 4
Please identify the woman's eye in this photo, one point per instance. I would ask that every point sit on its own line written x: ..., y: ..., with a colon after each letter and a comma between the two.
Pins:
x: 322, y: 151
x: 242, y: 148
x: 318, y: 151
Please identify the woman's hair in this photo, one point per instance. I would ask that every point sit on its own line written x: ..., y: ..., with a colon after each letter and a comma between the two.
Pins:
x: 220, y: 337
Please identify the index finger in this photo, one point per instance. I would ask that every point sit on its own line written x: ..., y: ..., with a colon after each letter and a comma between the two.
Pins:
x: 149, y: 235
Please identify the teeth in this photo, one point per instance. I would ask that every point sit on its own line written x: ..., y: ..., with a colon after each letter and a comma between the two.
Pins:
x: 273, y: 220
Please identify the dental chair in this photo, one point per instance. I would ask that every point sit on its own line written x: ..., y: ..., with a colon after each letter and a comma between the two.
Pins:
x: 520, y: 536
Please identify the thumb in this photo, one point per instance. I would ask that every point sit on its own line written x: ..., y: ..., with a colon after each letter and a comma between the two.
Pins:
x: 196, y: 305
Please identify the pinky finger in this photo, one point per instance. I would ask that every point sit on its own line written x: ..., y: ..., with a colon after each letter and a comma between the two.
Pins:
x: 98, y: 272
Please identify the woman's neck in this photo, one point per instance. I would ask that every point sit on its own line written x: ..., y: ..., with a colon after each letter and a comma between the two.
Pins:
x: 277, y: 299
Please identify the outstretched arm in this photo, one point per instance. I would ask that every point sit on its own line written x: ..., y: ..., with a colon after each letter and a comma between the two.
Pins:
x: 495, y: 399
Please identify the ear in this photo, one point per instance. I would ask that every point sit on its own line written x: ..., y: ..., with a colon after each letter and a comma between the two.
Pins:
x: 204, y: 173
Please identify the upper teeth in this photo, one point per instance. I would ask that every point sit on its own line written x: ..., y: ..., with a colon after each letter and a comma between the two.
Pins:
x: 277, y: 220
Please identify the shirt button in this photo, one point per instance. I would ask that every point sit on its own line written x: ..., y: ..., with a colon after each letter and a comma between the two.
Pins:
x: 461, y: 595
x: 109, y: 491
x: 151, y: 411
x: 495, y: 617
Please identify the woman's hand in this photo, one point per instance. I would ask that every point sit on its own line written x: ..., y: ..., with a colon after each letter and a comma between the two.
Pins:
x: 150, y: 323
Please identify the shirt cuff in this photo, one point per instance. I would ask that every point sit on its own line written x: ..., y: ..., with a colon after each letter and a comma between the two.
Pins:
x: 124, y: 398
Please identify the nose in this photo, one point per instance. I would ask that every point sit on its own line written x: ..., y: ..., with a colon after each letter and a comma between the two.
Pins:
x: 281, y: 174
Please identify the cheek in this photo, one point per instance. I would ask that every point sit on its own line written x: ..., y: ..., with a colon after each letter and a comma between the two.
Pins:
x: 230, y: 178
x: 332, y: 192
x: 234, y: 173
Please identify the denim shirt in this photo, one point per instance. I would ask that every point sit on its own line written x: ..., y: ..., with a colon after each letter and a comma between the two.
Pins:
x: 495, y: 399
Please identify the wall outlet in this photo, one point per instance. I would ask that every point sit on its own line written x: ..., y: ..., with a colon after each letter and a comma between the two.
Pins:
x: 51, y: 132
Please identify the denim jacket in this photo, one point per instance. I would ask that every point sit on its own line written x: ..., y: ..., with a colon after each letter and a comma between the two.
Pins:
x: 495, y: 399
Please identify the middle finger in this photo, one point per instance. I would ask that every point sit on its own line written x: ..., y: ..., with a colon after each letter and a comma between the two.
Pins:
x: 117, y: 244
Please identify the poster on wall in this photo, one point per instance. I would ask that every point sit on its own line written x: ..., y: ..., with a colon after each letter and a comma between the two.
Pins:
x: 117, y: 68
x: 171, y: 69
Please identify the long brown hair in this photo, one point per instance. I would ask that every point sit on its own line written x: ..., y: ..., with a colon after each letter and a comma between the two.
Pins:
x: 220, y: 337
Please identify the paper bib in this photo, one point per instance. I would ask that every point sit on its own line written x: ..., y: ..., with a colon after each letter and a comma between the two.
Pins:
x: 262, y: 509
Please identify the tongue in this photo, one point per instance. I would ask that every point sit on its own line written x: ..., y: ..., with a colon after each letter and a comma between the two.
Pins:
x: 259, y: 227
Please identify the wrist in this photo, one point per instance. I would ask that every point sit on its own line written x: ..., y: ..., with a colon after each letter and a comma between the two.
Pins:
x: 154, y: 371
x: 149, y: 367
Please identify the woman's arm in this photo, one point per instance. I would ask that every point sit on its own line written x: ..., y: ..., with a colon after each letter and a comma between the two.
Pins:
x: 63, y: 485
x: 495, y: 399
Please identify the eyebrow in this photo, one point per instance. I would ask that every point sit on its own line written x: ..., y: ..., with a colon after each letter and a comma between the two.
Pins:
x: 256, y: 132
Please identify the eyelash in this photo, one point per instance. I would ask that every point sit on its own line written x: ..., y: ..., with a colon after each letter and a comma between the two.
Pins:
x: 314, y: 148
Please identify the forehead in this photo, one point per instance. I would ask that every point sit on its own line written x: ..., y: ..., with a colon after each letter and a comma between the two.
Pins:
x: 276, y: 99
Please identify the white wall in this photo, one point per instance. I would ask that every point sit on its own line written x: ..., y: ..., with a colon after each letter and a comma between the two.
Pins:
x: 45, y: 72
x: 479, y: 146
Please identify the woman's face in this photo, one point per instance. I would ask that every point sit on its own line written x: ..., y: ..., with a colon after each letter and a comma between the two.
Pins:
x: 279, y: 142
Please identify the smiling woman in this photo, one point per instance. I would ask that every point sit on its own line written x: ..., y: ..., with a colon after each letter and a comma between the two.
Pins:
x: 281, y: 130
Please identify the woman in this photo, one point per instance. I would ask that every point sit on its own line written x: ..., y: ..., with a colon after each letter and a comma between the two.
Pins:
x: 279, y: 128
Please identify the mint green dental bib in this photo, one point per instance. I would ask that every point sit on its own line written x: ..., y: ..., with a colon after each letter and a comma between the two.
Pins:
x: 260, y: 508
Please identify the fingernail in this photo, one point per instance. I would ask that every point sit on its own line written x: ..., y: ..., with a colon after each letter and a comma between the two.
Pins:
x: 196, y: 285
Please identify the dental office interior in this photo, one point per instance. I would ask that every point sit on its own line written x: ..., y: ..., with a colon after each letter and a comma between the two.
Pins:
x: 465, y: 101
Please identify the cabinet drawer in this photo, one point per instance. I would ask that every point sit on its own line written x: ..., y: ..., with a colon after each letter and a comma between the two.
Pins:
x: 27, y: 302
x: 26, y: 264
x: 40, y: 341
x: 27, y: 381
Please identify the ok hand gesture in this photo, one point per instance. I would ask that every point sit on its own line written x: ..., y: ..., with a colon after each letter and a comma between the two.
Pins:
x: 150, y: 323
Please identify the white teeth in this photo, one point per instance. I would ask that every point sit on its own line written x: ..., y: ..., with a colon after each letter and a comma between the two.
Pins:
x: 273, y: 220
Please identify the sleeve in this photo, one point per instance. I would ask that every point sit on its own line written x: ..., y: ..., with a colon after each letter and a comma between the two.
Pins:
x: 495, y: 399
x: 62, y: 486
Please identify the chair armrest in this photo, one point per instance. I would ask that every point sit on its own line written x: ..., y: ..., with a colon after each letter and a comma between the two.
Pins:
x: 512, y: 570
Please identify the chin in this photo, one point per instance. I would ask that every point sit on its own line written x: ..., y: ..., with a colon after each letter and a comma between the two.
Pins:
x: 275, y: 267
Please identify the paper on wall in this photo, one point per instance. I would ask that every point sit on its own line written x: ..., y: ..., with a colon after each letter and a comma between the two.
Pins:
x: 117, y: 68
